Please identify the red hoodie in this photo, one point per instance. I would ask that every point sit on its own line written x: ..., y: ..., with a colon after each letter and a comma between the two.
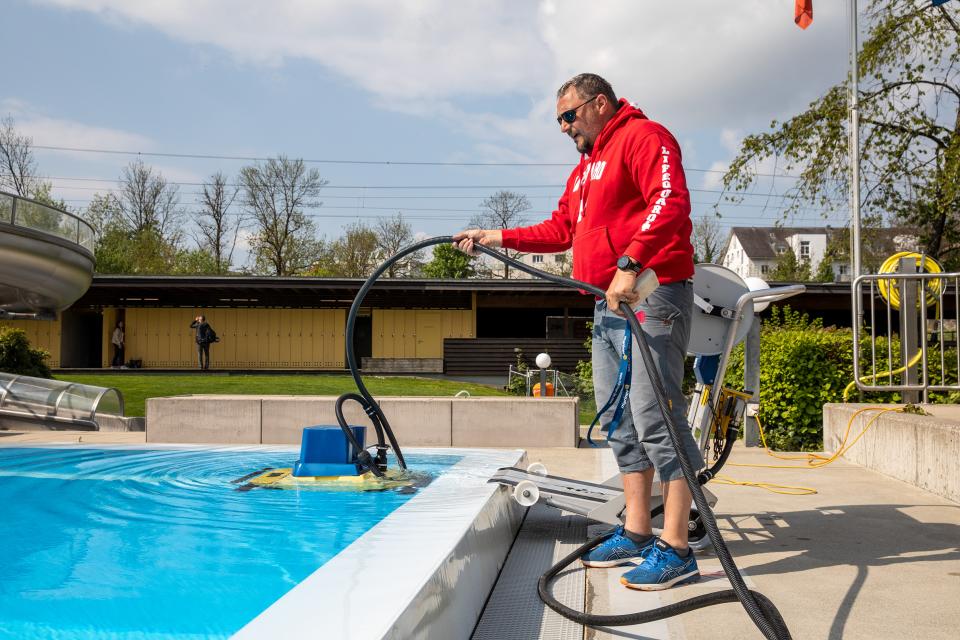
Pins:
x: 635, y: 203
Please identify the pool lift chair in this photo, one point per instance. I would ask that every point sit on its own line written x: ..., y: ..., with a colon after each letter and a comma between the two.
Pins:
x: 722, y: 316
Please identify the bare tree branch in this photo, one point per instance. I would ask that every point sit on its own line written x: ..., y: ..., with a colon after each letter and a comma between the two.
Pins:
x: 502, y: 210
x: 17, y: 166
x: 275, y: 194
x: 217, y: 234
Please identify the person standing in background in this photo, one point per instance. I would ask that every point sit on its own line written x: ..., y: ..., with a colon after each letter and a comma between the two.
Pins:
x: 117, y: 340
x: 203, y: 339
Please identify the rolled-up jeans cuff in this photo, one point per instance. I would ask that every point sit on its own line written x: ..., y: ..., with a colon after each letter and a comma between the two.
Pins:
x: 671, y: 473
x: 637, y: 467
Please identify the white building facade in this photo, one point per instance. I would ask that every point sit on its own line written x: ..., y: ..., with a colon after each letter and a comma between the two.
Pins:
x: 754, y: 251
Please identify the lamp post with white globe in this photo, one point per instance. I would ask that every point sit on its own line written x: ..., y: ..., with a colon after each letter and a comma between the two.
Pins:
x: 543, y: 361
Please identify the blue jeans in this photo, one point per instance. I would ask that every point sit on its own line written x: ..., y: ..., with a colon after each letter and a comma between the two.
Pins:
x: 641, y: 440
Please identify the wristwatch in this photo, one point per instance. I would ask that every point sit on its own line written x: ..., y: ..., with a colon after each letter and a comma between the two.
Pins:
x: 626, y: 263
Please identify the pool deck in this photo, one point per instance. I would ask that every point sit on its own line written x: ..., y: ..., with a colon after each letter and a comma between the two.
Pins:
x: 865, y: 557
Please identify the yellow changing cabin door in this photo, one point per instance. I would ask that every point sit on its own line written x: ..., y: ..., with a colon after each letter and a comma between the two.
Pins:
x: 429, y: 334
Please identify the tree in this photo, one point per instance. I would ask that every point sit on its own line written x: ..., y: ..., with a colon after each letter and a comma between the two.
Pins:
x: 275, y: 195
x: 100, y: 214
x: 910, y: 112
x: 43, y: 193
x: 560, y: 265
x: 706, y: 239
x: 137, y: 231
x: 790, y: 269
x: 18, y: 357
x: 392, y: 235
x: 217, y: 235
x: 42, y: 218
x: 17, y: 166
x: 825, y: 269
x: 352, y: 255
x: 196, y: 262
x: 502, y: 210
x: 123, y: 251
x: 449, y: 262
x: 147, y: 202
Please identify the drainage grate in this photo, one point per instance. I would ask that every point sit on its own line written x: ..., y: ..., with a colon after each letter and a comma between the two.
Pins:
x: 514, y: 610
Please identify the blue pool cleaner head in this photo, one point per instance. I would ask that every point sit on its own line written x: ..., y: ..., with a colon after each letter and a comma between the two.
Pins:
x: 326, y: 451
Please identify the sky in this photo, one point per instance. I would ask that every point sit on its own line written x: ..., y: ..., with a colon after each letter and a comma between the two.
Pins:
x: 419, y: 107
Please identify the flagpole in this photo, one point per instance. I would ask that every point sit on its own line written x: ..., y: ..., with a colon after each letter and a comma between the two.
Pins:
x: 854, y: 146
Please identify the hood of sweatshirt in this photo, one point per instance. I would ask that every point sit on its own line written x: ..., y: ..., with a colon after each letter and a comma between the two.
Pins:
x: 624, y: 114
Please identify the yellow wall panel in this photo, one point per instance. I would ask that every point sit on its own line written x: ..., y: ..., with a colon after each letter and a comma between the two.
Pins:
x: 318, y: 339
x: 338, y: 359
x: 229, y: 340
x: 264, y: 338
x: 249, y: 338
x: 42, y: 334
x: 395, y: 331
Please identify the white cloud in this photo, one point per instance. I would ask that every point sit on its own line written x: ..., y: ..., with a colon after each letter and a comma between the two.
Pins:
x: 694, y: 65
x: 698, y: 64
x: 57, y: 132
x: 394, y: 49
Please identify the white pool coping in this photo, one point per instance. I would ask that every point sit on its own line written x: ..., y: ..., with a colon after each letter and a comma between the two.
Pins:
x: 423, y: 572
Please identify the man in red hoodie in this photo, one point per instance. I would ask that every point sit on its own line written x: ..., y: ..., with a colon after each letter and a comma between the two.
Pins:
x: 626, y: 208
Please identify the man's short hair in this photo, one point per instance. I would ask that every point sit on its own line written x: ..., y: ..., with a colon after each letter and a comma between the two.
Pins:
x: 203, y: 318
x: 588, y: 85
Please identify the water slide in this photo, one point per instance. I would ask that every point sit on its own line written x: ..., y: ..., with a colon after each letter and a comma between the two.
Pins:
x: 46, y: 258
x: 38, y: 403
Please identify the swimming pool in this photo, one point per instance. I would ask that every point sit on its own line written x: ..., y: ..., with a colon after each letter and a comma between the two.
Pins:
x: 149, y: 542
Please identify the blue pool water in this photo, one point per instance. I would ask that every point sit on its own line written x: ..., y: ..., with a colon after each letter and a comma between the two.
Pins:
x: 124, y: 543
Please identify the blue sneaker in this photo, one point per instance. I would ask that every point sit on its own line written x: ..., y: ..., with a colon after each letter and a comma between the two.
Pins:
x: 616, y: 550
x: 661, y: 569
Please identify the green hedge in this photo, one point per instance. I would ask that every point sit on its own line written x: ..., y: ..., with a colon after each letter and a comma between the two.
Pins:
x: 18, y: 357
x: 802, y: 367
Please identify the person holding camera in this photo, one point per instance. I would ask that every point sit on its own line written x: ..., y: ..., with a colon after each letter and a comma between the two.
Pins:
x: 205, y: 336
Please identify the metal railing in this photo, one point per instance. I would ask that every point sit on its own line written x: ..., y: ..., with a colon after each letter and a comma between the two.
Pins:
x: 30, y: 214
x: 911, y: 322
x: 564, y: 384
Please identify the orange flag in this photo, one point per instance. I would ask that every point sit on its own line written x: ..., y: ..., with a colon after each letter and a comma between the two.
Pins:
x: 803, y: 13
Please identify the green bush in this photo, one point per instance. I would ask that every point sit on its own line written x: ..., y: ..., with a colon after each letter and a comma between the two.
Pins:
x: 802, y: 366
x: 517, y: 385
x: 584, y: 370
x: 18, y: 357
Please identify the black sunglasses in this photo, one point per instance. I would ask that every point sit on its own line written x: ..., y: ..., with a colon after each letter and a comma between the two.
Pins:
x: 570, y: 115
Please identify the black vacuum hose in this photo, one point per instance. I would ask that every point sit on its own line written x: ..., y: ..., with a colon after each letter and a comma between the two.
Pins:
x: 376, y: 465
x: 760, y: 609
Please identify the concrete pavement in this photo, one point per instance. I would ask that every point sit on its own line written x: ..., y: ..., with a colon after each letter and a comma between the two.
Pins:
x: 865, y: 557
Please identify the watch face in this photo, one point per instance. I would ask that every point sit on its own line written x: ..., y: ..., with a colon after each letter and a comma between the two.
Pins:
x: 623, y: 263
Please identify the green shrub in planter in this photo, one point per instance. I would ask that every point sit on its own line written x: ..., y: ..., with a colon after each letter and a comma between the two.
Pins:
x: 18, y: 357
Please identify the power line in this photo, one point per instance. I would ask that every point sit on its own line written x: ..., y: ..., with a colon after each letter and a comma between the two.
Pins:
x: 436, y: 214
x: 361, y: 205
x: 726, y: 192
x: 414, y: 163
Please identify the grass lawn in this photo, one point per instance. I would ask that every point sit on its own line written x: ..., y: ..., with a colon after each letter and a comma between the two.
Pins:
x: 136, y: 388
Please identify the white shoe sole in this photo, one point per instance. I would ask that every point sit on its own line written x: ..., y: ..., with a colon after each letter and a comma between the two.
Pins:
x: 606, y: 564
x: 695, y: 575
